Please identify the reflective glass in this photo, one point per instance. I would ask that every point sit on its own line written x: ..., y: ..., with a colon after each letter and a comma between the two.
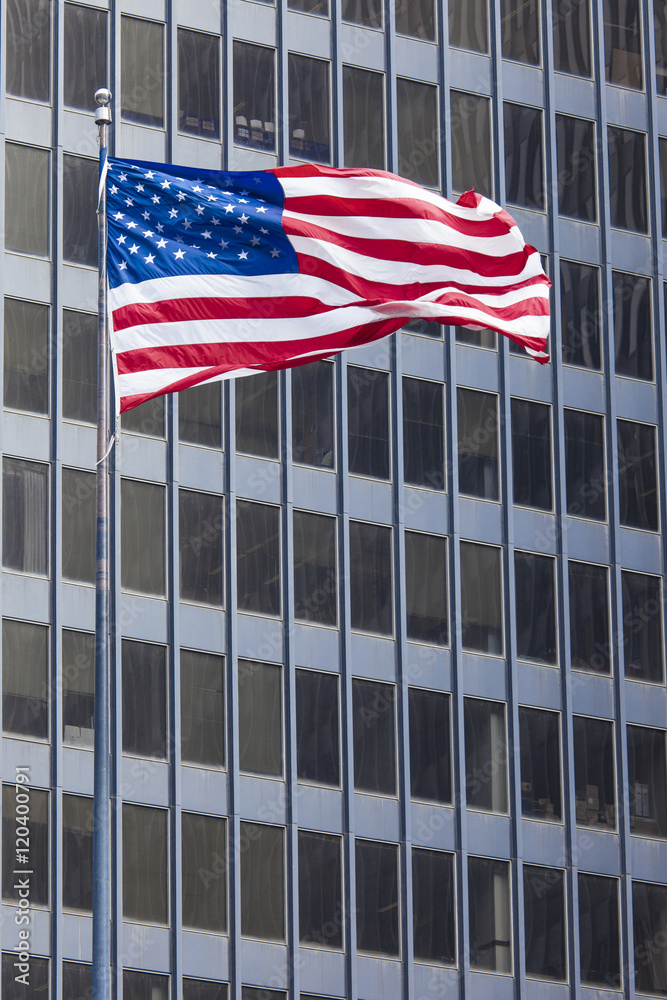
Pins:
x: 320, y: 890
x: 77, y: 981
x: 481, y: 602
x: 531, y: 454
x: 366, y: 12
x: 204, y: 989
x: 627, y: 179
x: 633, y: 333
x: 28, y: 41
x: 25, y: 689
x: 145, y: 895
x: 202, y: 709
x: 416, y: 18
x: 258, y: 557
x: 260, y: 717
x: 363, y: 117
x: 198, y: 83
x: 78, y: 822
x: 204, y: 869
x: 476, y: 338
x: 660, y: 28
x: 649, y: 903
x: 142, y: 71
x: 313, y: 431
x: 144, y: 669
x: 423, y: 433
x: 521, y: 30
x: 26, y: 356
x: 309, y: 108
x: 418, y: 132
x: 637, y: 475
x: 79, y: 525
x: 374, y: 736
x: 535, y: 608
x: 201, y: 530
x: 147, y: 418
x: 144, y: 986
x: 539, y: 740
x: 25, y: 521
x: 79, y: 366
x: 577, y: 186
x: 430, y: 745
x: 368, y: 422
x: 642, y: 627
x: 27, y: 199
x: 623, y: 43
x: 199, y: 415
x: 254, y: 96
x: 524, y: 156
x: 320, y: 7
x: 647, y: 781
x: 38, y: 987
x: 594, y: 775
x: 662, y: 146
x: 585, y: 475
x: 477, y: 414
x: 544, y: 922
x: 315, y: 570
x: 427, y: 597
x: 580, y: 314
x: 317, y: 727
x: 38, y: 836
x: 490, y: 915
x: 78, y: 680
x: 371, y: 584
x: 142, y: 536
x: 486, y: 755
x: 262, y: 882
x: 469, y: 24
x: 433, y: 911
x: 378, y: 925
x: 257, y: 414
x: 471, y: 143
x: 85, y: 62
x: 572, y: 37
x: 590, y: 647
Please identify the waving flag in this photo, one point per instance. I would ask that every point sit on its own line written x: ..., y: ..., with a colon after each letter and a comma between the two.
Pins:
x: 213, y: 274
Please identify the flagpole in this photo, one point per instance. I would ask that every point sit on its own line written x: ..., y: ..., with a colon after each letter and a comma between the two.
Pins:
x: 101, y: 975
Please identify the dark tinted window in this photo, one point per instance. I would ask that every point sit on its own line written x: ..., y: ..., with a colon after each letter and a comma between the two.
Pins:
x: 38, y: 973
x: 142, y: 557
x: 26, y: 357
x: 417, y: 18
x: 623, y: 43
x: 25, y: 522
x: 540, y: 764
x: 79, y: 525
x: 531, y: 454
x: 79, y: 366
x: 572, y: 37
x: 313, y: 415
x: 78, y: 680
x: 649, y: 903
x: 204, y: 989
x: 371, y: 585
x: 469, y: 24
x: 585, y: 482
x: 486, y: 755
x: 309, y: 108
x: 544, y: 922
x: 637, y: 474
x: 27, y: 199
x: 320, y: 890
x: 577, y: 189
x: 476, y: 338
x: 142, y: 71
x: 262, y: 882
x: 580, y: 314
x: 144, y: 986
x: 368, y: 422
x: 642, y: 627
x: 15, y: 798
x: 594, y: 781
x: 471, y: 143
x: 28, y: 65
x: 521, y: 31
x: 423, y: 433
x: 260, y: 717
x: 433, y: 913
x: 144, y: 699
x: 258, y: 557
x: 199, y: 415
x: 590, y: 648
x: 257, y: 414
x: 202, y: 709
x: 78, y: 821
x: 363, y: 118
x: 535, y: 608
x: 524, y: 156
x: 418, y: 132
x: 317, y: 727
x: 77, y: 981
x: 481, y: 602
x: 427, y: 597
x: 320, y: 7
x: 201, y: 526
x: 632, y: 325
x: 478, y: 443
x: 366, y: 12
x: 147, y: 418
x: 254, y: 96
x: 660, y: 28
x: 647, y: 781
x: 145, y: 896
x: 378, y: 927
x: 627, y: 179
x: 25, y: 701
x: 85, y: 63
x: 315, y: 573
x: 204, y: 867
x: 490, y: 915
x: 374, y: 735
x: 430, y: 745
x: 198, y: 83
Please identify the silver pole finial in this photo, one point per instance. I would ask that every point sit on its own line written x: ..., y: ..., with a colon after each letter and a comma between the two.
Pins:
x: 103, y: 112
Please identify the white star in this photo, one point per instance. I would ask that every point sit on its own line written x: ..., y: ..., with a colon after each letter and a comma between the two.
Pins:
x: 165, y: 184
x: 243, y: 201
x: 179, y: 254
x: 237, y: 230
x: 262, y: 208
x: 257, y: 180
x: 172, y: 213
x: 140, y: 187
x: 159, y: 227
x: 129, y: 202
x: 215, y: 221
x: 206, y: 234
x: 118, y: 215
x: 161, y: 244
x: 211, y: 198
x: 148, y: 232
x: 113, y: 189
x: 156, y: 199
x: 275, y: 253
x: 181, y: 195
x: 229, y: 208
x: 131, y: 225
x: 255, y: 241
x: 199, y: 209
x: 244, y: 219
x: 186, y: 223
x: 150, y: 175
x: 121, y: 239
x: 134, y: 248
x: 244, y: 191
x: 149, y: 259
x: 224, y: 244
x: 123, y: 177
x: 264, y: 231
x: 243, y: 255
x: 194, y: 247
x: 197, y: 189
x: 212, y: 255
x: 123, y: 266
x: 145, y: 216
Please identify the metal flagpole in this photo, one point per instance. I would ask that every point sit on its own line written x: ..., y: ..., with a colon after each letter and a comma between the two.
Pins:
x: 102, y: 787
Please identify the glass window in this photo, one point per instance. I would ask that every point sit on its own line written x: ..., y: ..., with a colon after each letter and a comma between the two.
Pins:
x: 633, y: 333
x: 315, y: 571
x: 524, y: 156
x: 374, y: 736
x: 77, y: 981
x: 142, y: 536
x: 202, y: 708
x: 317, y: 727
x: 260, y: 992
x: 423, y: 433
x: 371, y: 583
x: 476, y: 338
x: 28, y: 65
x: 531, y: 454
x: 599, y: 933
x: 144, y: 986
x: 649, y: 906
x: 258, y: 557
x: 594, y: 781
x: 433, y: 909
x: 26, y: 357
x: 204, y: 869
x: 486, y: 755
x: 577, y: 187
x: 80, y: 182
x: 145, y: 896
x: 79, y: 366
x: 25, y: 522
x: 540, y: 764
x: 572, y: 37
x: 366, y: 12
x: 142, y: 71
x: 469, y: 25
x: 25, y: 688
x: 637, y: 475
x: 313, y: 415
x: 15, y: 799
x: 590, y: 648
x: 623, y: 43
x: 78, y: 822
x: 309, y: 108
x: 85, y: 62
x: 378, y: 923
x: 320, y: 890
x: 481, y: 602
x: 254, y: 96
x: 38, y: 978
x: 201, y: 528
x: 580, y: 314
x: 144, y: 699
x: 416, y: 18
x: 430, y: 745
x: 478, y: 443
x: 363, y: 117
x: 204, y: 989
x: 585, y: 474
x: 78, y: 681
x: 368, y: 422
x: 521, y: 30
x: 199, y: 415
x: 647, y: 781
x: 79, y: 525
x: 471, y: 142
x: 643, y: 647
x: 198, y: 83
x: 627, y: 179
x: 544, y: 914
x: 262, y: 882
x: 418, y: 132
x: 427, y: 598
x: 147, y: 418
x: 660, y: 28
x: 257, y: 414
x: 535, y: 608
x: 27, y: 199
x: 490, y: 915
x: 424, y: 328
x: 320, y: 7
x: 260, y: 717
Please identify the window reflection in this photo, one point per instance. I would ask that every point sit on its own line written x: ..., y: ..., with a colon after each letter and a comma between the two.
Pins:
x: 486, y: 755
x: 642, y: 627
x: 371, y: 586
x: 25, y: 696
x: 313, y: 427
x: 633, y: 328
x: 627, y: 179
x: 363, y: 118
x: 544, y: 924
x: 572, y: 37
x: 594, y: 775
x: 27, y: 199
x: 468, y: 25
x: 580, y: 314
x: 490, y: 915
x: 577, y: 188
x: 254, y: 96
x: 433, y: 914
x: 637, y: 475
x: 26, y: 356
x: 416, y: 18
x: 540, y: 764
x: 647, y: 781
x: 535, y: 608
x: 309, y: 108
x: 590, y: 647
x: 85, y: 62
x: 378, y: 925
x: 28, y: 65
x: 521, y: 31
x: 418, y: 132
x: 471, y: 143
x: 585, y: 476
x: 142, y: 71
x: 481, y: 617
x: 524, y: 156
x: 198, y: 83
x: 623, y: 43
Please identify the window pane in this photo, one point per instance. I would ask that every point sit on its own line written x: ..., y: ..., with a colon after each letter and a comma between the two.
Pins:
x: 471, y: 143
x: 258, y: 557
x: 627, y: 179
x: 26, y: 358
x: 79, y: 366
x: 320, y: 7
x: 418, y: 132
x: 144, y: 986
x: 204, y: 863
x: 198, y: 83
x: 199, y: 415
x: 144, y: 699
x: 647, y: 781
x: 430, y: 746
x: 202, y: 709
x: 374, y: 735
x: 481, y: 603
x: 366, y: 12
x: 80, y: 181
x: 309, y: 108
x: 486, y: 755
x: 638, y: 490
x: 642, y: 627
x: 424, y: 328
x: 145, y: 865
x: 580, y: 314
x: 660, y: 28
x: 594, y: 782
x: 469, y: 25
x: 38, y: 983
x: 85, y: 63
x: 531, y: 454
x: 313, y: 415
x: 623, y: 43
x: 320, y: 890
x: 590, y: 648
x: 201, y: 527
x: 25, y: 690
x: 262, y: 882
x: 27, y: 199
x: 317, y: 727
x: 147, y: 418
x: 368, y: 422
x: 260, y: 717
x: 490, y: 915
x: 599, y: 937
x: 572, y: 38
x: 37, y: 802
x: 476, y: 338
x: 416, y: 18
x: 423, y: 433
x: 363, y: 118
x: 577, y: 188
x: 25, y: 522
x: 649, y: 903
x: 28, y: 64
x: 371, y: 584
x: 142, y: 71
x: 257, y: 415
x: 540, y: 764
x: 77, y: 981
x: 433, y: 913
x: 524, y: 166
x: 521, y: 30
x: 142, y: 557
x: 544, y: 910
x: 427, y: 597
x: 478, y: 443
x: 203, y: 989
x: 78, y: 680
x: 632, y: 325
x: 78, y: 822
x: 260, y: 992
x: 377, y: 897
x: 254, y: 96
x: 315, y: 575
x: 535, y: 608
x: 585, y: 476
x: 79, y: 525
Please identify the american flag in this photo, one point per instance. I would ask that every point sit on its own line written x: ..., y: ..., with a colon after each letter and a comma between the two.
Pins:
x: 214, y: 274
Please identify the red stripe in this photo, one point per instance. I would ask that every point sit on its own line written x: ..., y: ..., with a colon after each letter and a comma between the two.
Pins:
x: 196, y: 308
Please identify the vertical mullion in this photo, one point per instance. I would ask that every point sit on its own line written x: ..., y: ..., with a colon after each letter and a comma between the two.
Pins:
x: 174, y: 696
x: 282, y: 83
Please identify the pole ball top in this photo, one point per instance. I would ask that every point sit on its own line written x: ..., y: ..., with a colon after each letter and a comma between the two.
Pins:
x: 103, y: 96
